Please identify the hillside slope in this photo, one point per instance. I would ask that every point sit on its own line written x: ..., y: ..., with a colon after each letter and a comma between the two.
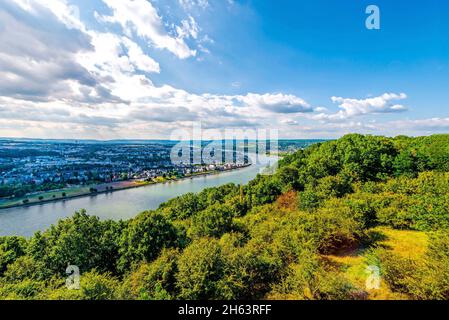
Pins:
x: 307, y: 232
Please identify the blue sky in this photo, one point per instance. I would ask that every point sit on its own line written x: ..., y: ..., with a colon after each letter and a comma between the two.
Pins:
x: 108, y: 69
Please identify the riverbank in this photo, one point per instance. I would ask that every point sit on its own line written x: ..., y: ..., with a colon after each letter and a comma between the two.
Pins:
x: 92, y: 190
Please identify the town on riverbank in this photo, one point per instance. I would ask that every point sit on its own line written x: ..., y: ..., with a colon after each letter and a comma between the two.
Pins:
x: 40, y: 171
x: 91, y: 190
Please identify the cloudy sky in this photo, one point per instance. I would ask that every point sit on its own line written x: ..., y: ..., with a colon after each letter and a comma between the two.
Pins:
x: 107, y: 69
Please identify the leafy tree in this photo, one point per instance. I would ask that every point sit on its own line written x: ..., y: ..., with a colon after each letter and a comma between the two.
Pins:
x: 145, y: 237
x: 182, y: 207
x: 289, y: 178
x: 153, y: 281
x: 201, y: 268
x: 276, y: 237
x: 81, y: 240
x: 93, y: 286
x: 214, y: 221
x: 405, y: 164
x: 309, y: 280
x: 11, y: 248
x: 263, y: 190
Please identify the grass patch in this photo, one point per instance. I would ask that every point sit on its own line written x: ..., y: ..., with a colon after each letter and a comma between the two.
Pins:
x: 353, y: 262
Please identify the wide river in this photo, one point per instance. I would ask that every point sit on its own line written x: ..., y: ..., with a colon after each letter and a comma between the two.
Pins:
x: 121, y: 204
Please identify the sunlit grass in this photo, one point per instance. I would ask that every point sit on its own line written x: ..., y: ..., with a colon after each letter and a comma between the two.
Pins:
x: 409, y: 244
x: 353, y: 262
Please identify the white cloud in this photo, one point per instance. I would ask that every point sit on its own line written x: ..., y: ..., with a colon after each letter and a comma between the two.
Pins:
x: 289, y: 122
x: 140, y: 60
x: 278, y: 103
x: 188, y: 28
x: 66, y: 13
x: 62, y: 79
x: 350, y: 107
x: 40, y: 63
x: 320, y: 109
x: 141, y: 17
x: 381, y: 104
x: 116, y: 61
x: 431, y: 124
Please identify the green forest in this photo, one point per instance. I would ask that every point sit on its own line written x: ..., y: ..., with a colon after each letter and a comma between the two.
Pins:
x: 310, y: 231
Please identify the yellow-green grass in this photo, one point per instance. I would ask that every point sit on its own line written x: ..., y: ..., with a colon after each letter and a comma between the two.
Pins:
x: 353, y: 263
x: 409, y: 244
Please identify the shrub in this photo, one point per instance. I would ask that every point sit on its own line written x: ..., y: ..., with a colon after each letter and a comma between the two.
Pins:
x: 144, y: 238
x: 201, y: 268
x: 153, y: 281
x: 11, y: 248
x: 214, y: 221
x: 308, y: 280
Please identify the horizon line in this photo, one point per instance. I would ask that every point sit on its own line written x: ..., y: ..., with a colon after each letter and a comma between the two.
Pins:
x: 167, y: 139
x: 143, y: 140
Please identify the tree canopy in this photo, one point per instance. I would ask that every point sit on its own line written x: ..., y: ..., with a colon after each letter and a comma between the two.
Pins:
x: 272, y: 238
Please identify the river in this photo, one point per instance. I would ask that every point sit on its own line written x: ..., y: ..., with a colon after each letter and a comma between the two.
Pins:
x: 121, y: 204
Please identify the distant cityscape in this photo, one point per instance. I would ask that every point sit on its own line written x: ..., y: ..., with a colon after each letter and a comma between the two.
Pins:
x: 30, y: 166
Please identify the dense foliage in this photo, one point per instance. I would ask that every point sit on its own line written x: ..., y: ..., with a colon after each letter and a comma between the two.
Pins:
x: 268, y: 239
